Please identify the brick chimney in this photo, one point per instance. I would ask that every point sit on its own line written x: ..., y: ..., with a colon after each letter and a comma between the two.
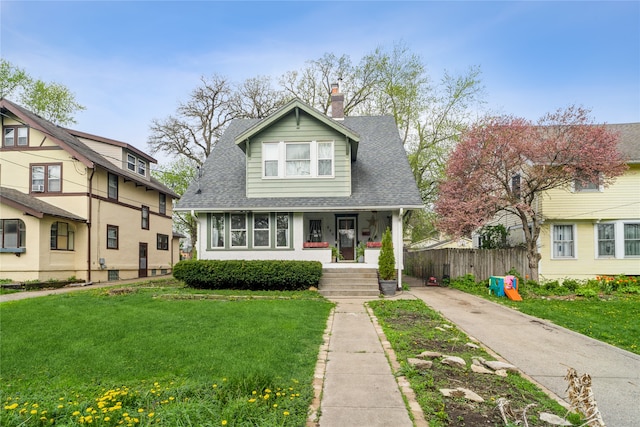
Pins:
x: 337, y: 102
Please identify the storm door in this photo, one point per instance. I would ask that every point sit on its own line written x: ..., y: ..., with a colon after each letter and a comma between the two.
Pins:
x: 347, y: 238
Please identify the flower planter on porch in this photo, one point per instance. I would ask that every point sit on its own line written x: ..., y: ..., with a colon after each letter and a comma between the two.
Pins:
x: 315, y: 245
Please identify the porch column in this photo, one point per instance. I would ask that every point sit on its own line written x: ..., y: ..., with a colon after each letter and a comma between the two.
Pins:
x: 397, y: 238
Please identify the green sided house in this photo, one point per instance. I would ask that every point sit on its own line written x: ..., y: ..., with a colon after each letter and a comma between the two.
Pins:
x: 299, y: 185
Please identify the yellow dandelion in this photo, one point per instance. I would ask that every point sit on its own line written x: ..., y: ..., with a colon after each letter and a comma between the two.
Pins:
x: 151, y: 414
x: 275, y: 405
x: 33, y: 412
x: 12, y: 406
x: 285, y: 413
x: 266, y: 396
x: 140, y: 410
x: 76, y: 413
x: 224, y: 422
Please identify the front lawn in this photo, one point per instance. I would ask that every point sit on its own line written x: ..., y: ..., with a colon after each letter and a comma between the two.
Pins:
x: 160, y: 354
x: 605, y: 308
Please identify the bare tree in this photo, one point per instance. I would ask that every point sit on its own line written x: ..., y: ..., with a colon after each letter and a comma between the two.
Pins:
x: 256, y: 98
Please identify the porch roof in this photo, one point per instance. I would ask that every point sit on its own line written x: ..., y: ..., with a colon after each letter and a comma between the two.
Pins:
x: 381, y: 176
x: 33, y: 206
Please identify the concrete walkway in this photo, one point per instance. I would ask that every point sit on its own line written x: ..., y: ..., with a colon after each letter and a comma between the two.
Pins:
x: 359, y: 387
x: 543, y: 350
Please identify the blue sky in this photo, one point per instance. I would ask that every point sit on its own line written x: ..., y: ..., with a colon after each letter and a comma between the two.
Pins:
x: 129, y: 62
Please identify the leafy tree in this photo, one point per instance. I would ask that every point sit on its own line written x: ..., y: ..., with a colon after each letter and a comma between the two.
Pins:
x: 480, y: 174
x: 177, y: 175
x: 52, y: 101
x: 493, y: 237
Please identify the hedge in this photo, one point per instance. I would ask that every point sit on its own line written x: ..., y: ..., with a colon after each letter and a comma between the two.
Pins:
x: 251, y: 275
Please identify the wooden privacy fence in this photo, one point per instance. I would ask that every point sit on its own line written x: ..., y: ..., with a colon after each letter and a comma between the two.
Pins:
x: 452, y: 263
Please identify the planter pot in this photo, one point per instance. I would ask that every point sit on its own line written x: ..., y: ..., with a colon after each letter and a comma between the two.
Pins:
x: 388, y: 287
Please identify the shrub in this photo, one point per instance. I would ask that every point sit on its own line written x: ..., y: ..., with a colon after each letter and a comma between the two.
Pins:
x: 571, y: 284
x: 387, y: 260
x: 251, y: 275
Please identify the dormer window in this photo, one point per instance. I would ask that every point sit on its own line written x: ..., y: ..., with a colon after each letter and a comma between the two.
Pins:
x: 15, y: 136
x: 297, y: 159
x: 136, y: 164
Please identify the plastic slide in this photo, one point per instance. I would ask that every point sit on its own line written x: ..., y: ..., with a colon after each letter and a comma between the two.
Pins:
x: 512, y: 294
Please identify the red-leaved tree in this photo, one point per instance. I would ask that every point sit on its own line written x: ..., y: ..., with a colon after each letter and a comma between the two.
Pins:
x: 504, y: 165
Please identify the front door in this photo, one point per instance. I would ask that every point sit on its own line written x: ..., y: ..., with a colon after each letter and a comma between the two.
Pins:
x: 347, y: 238
x: 142, y: 260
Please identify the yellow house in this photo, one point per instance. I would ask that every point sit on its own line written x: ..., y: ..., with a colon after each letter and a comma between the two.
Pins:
x: 78, y: 205
x: 590, y: 230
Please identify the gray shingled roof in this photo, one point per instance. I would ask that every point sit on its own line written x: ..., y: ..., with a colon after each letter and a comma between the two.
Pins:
x: 80, y: 148
x: 629, y: 142
x: 381, y: 176
x: 32, y: 205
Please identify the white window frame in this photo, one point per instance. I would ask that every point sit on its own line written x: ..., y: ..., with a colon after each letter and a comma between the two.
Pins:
x: 597, y: 240
x: 288, y: 230
x: 624, y: 239
x: 574, y: 240
x: 238, y: 230
x: 262, y: 230
x: 214, y: 224
x: 577, y: 185
x: 282, y: 159
x: 131, y: 162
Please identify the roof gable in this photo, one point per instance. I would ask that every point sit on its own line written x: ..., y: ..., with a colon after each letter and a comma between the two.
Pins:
x: 297, y: 106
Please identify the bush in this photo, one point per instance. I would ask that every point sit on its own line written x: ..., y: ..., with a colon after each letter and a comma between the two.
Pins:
x: 387, y: 259
x: 253, y: 275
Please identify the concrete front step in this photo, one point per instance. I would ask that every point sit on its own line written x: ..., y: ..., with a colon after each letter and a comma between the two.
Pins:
x: 349, y: 282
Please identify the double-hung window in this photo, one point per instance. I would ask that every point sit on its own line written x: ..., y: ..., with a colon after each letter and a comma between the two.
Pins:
x: 217, y: 230
x: 46, y: 178
x: 325, y: 159
x: 112, y: 186
x: 563, y: 241
x: 282, y: 230
x: 631, y: 240
x: 606, y: 240
x: 131, y: 162
x: 15, y: 136
x: 112, y: 236
x: 145, y: 218
x: 270, y: 154
x: 162, y: 203
x: 261, y: 230
x: 238, y: 230
x: 162, y: 243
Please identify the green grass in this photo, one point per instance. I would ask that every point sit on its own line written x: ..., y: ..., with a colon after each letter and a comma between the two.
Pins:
x: 180, y: 355
x: 411, y: 328
x: 606, y: 309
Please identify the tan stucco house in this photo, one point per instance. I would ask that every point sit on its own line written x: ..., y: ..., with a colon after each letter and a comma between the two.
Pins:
x: 78, y: 205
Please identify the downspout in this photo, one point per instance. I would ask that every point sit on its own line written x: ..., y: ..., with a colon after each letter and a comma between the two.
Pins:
x: 89, y: 220
x: 400, y: 238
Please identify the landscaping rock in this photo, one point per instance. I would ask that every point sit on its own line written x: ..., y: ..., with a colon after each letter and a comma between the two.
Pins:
x: 497, y: 365
x: 477, y: 360
x: 440, y: 329
x: 501, y: 373
x: 420, y: 363
x: 479, y: 369
x: 429, y: 355
x: 447, y: 326
x: 454, y: 361
x: 472, y: 345
x: 461, y: 392
x: 553, y: 419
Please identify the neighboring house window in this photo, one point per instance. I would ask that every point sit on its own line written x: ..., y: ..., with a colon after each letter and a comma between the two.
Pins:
x: 12, y: 234
x: 145, y: 218
x: 632, y: 240
x: 137, y: 165
x: 298, y: 159
x: 217, y: 230
x: 62, y: 237
x: 325, y: 159
x: 587, y: 184
x: 261, y: 230
x: 282, y: 230
x: 112, y: 237
x: 131, y: 162
x: 270, y: 157
x: 113, y: 186
x: 15, y: 136
x: 46, y: 178
x: 162, y: 203
x: 515, y: 186
x: 163, y: 242
x: 563, y: 241
x: 606, y: 240
x: 238, y: 230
